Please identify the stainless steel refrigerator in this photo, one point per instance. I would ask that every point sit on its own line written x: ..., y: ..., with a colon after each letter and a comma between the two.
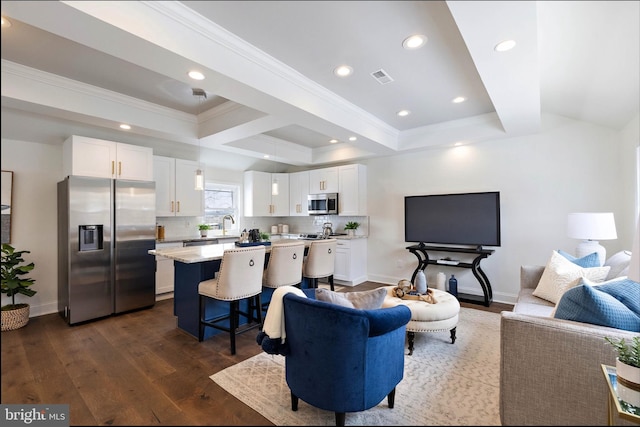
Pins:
x: 105, y: 229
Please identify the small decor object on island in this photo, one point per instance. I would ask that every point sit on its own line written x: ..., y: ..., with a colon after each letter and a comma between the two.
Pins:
x: 14, y: 267
x: 351, y: 228
x: 453, y: 286
x: 440, y: 277
x: 421, y: 283
x: 204, y: 229
x: 264, y: 237
x: 627, y: 368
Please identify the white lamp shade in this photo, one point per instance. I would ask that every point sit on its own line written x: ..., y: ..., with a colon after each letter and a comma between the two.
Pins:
x: 591, y: 226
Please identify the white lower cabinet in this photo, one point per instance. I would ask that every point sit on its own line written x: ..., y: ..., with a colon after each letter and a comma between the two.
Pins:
x: 351, y: 262
x: 164, y: 269
x: 223, y: 240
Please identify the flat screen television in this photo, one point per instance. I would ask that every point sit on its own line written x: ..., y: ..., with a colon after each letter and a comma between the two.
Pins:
x: 455, y: 219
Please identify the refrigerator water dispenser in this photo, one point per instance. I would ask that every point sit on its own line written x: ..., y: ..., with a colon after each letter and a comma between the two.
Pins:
x: 91, y: 237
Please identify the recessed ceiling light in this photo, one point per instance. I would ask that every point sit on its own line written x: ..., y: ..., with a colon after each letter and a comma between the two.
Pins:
x: 458, y: 99
x: 505, y: 45
x: 343, y: 71
x: 125, y: 126
x: 196, y: 75
x: 414, y: 42
x: 5, y: 22
x: 352, y: 138
x: 333, y: 141
x: 403, y: 113
x: 266, y: 156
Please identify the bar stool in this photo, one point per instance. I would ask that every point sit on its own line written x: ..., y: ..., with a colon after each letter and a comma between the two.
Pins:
x: 284, y: 267
x: 320, y: 261
x: 239, y: 278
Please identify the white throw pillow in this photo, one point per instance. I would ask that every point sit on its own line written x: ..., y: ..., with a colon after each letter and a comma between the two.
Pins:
x: 619, y: 263
x: 560, y: 275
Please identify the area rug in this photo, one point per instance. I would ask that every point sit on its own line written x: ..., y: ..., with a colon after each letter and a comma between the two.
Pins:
x: 444, y: 384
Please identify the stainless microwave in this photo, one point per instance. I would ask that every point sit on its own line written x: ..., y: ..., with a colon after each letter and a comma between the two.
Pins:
x: 323, y: 204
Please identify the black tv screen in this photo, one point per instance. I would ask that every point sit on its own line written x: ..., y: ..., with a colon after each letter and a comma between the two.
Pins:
x: 457, y: 219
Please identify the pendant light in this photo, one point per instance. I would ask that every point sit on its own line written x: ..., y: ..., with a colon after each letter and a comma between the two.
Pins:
x: 199, y: 178
x: 274, y: 179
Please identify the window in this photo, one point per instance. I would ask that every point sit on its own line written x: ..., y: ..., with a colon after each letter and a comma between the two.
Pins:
x: 221, y: 200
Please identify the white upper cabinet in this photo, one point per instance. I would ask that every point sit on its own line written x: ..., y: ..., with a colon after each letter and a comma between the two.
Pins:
x: 298, y: 192
x: 352, y: 198
x: 259, y: 196
x: 85, y: 156
x: 175, y: 187
x: 323, y: 180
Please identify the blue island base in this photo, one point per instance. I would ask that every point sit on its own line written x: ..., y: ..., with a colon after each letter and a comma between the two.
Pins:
x: 186, y: 298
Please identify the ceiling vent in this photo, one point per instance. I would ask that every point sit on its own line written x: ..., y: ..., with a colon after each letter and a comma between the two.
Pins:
x: 382, y: 77
x: 199, y: 92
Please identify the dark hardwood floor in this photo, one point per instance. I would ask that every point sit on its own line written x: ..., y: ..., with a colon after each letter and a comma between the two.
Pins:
x: 132, y: 369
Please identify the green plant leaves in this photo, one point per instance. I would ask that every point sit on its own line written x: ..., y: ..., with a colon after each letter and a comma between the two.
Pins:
x: 14, y: 269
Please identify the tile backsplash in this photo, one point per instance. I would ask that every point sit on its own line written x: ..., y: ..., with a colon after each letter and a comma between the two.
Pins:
x: 188, y: 226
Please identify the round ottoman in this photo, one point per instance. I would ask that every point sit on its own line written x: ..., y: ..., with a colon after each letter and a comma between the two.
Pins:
x: 427, y: 317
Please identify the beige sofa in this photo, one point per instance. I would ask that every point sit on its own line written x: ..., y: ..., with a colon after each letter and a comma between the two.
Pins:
x: 550, y: 370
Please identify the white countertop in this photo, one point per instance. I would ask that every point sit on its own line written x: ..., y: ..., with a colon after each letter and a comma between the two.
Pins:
x: 194, y: 254
x: 196, y: 238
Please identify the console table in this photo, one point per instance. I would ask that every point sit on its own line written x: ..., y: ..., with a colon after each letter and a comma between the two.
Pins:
x: 421, y: 251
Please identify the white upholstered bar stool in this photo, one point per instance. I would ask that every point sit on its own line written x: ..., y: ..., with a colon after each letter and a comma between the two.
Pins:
x: 320, y: 262
x: 284, y: 267
x: 239, y: 278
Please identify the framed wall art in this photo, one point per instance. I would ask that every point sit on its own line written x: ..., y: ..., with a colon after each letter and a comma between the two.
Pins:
x: 7, y: 189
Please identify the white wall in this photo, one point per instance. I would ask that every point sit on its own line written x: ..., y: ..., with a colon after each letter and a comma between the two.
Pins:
x: 568, y: 167
x: 37, y: 168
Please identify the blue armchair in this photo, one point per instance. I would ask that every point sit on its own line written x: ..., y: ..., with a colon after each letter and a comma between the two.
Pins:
x: 343, y: 359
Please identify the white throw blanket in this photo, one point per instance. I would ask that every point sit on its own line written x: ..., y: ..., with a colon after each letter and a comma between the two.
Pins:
x: 274, y: 321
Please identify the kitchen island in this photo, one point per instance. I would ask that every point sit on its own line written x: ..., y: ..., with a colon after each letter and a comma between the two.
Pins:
x: 194, y: 264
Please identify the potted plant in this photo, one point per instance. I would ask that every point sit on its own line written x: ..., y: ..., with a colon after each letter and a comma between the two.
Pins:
x: 628, y: 360
x: 264, y: 237
x: 14, y: 268
x: 351, y: 227
x: 204, y: 229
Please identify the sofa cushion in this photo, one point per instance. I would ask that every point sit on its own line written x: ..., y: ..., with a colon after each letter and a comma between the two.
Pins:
x: 365, y: 300
x: 531, y: 305
x: 619, y: 263
x: 587, y: 261
x: 615, y: 304
x: 560, y: 274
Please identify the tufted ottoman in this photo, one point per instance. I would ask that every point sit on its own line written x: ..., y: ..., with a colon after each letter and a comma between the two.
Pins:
x: 427, y: 317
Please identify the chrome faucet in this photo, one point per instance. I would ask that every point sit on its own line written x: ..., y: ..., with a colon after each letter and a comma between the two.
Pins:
x: 224, y: 229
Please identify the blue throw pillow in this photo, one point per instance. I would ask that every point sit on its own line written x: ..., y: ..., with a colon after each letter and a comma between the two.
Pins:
x: 615, y: 305
x: 587, y: 261
x: 624, y: 290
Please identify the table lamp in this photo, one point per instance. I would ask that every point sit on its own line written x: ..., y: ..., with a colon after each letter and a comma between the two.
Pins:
x: 591, y: 227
